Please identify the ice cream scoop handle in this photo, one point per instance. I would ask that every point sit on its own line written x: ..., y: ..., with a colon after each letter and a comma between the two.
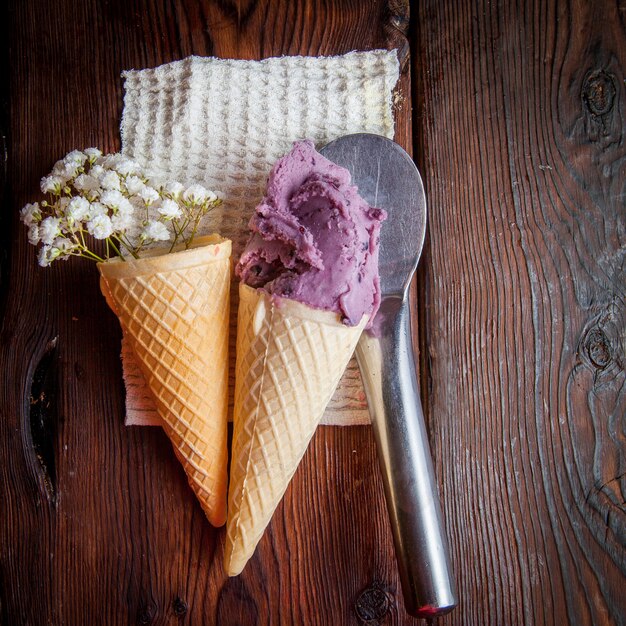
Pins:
x: 387, y: 366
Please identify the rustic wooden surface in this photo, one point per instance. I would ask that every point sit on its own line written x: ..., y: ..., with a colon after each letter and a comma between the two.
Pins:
x: 518, y: 124
x: 522, y: 119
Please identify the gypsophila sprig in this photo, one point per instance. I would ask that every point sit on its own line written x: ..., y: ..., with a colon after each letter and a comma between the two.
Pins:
x: 91, y: 196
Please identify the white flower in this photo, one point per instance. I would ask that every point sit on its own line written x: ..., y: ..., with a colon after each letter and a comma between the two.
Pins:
x: 75, y: 157
x: 197, y: 194
x: 58, y: 167
x: 126, y: 207
x: 109, y: 161
x: 78, y: 209
x: 96, y: 209
x: 174, y: 189
x: 149, y: 195
x: 98, y: 172
x: 93, y: 154
x: 133, y: 231
x: 119, y: 163
x: 65, y: 173
x: 134, y: 185
x: 33, y: 234
x: 123, y: 218
x: 169, y: 209
x: 100, y: 226
x: 68, y: 167
x: 44, y: 256
x: 30, y: 214
x: 49, y: 230
x: 51, y: 184
x: 112, y: 198
x: 64, y: 170
x: 122, y: 222
x: 110, y: 181
x: 64, y: 246
x: 109, y: 196
x: 86, y: 182
x: 126, y: 166
x: 156, y: 231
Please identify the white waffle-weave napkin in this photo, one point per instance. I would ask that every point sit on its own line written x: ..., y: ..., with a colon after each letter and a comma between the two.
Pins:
x: 223, y: 123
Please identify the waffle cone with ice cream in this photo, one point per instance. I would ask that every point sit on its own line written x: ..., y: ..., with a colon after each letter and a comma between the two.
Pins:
x: 309, y: 287
x: 290, y: 358
x: 174, y: 309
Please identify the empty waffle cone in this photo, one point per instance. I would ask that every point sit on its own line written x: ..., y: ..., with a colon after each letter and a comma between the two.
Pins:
x: 174, y: 309
x: 290, y: 358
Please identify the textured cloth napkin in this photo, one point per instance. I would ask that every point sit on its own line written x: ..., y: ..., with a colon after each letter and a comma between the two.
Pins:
x: 223, y: 123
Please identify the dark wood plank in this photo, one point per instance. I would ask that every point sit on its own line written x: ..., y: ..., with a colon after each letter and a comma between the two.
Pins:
x: 98, y: 525
x: 523, y: 107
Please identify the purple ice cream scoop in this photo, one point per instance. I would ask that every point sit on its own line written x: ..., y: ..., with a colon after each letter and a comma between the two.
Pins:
x: 314, y: 239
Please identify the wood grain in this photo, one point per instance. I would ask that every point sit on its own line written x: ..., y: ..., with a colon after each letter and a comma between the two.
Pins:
x: 522, y: 107
x: 519, y: 122
x: 113, y: 534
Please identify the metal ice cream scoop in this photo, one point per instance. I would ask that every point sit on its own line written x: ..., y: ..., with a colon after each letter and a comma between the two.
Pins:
x: 387, y: 178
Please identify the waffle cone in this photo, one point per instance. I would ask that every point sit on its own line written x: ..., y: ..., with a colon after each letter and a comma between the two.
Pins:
x: 174, y: 309
x: 290, y: 358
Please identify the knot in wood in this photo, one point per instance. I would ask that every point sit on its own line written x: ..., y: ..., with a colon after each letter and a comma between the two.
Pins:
x: 179, y: 606
x: 400, y: 22
x: 598, y: 348
x: 372, y: 605
x: 599, y: 92
x: 146, y: 614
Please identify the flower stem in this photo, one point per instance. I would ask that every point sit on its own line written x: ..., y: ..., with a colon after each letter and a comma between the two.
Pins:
x: 117, y: 250
x: 90, y: 255
x: 176, y: 233
x: 124, y: 242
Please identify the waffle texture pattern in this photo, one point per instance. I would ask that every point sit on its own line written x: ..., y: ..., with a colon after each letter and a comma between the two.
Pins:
x: 223, y: 123
x: 290, y: 358
x: 180, y: 340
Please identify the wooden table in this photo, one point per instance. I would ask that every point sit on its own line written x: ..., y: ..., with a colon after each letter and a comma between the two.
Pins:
x: 516, y: 113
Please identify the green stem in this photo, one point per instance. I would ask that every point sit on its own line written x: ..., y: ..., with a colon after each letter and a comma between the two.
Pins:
x: 82, y: 238
x: 198, y: 219
x: 194, y: 230
x: 76, y: 240
x: 89, y: 254
x: 185, y: 224
x: 124, y: 242
x: 117, y: 250
x: 177, y: 233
